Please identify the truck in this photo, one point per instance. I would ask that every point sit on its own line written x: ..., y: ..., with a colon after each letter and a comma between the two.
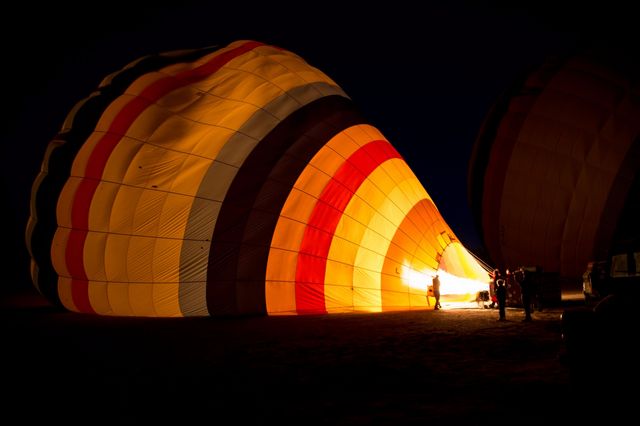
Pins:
x: 620, y: 272
x: 601, y: 335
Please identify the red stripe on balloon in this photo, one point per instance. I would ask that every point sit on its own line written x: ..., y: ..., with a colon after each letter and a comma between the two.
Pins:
x: 316, y: 241
x: 103, y: 149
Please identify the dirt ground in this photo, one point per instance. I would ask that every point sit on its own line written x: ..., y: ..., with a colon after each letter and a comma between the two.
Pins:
x: 418, y: 367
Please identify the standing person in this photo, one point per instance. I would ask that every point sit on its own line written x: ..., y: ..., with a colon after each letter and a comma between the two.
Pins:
x: 492, y: 288
x: 436, y: 291
x: 526, y: 291
x: 501, y: 294
x: 509, y: 280
x: 537, y: 285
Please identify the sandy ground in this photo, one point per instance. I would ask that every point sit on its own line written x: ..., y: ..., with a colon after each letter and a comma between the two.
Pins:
x: 419, y: 367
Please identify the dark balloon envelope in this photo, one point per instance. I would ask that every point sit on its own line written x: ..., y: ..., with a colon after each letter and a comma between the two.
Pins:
x: 554, y: 175
x: 238, y: 180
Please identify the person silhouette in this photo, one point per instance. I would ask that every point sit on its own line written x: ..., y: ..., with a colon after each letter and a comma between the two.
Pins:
x: 525, y: 292
x: 436, y: 292
x: 492, y: 289
x: 501, y: 293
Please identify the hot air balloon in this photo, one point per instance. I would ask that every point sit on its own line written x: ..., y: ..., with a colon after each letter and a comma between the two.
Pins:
x: 554, y: 177
x: 233, y: 181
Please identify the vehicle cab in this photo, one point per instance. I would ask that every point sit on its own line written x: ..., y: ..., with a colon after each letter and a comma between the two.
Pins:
x: 594, y: 281
x: 624, y: 272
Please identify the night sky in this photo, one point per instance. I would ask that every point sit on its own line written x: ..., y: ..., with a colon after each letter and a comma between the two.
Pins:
x: 426, y: 77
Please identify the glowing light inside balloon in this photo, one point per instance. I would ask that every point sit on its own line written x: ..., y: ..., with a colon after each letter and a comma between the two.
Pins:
x: 416, y: 279
x: 453, y: 285
x: 449, y: 283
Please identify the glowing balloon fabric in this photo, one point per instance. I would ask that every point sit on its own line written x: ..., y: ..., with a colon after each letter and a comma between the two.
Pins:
x: 231, y: 181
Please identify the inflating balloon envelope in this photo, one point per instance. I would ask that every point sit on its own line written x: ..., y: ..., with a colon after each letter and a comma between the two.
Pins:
x: 554, y: 179
x: 234, y: 181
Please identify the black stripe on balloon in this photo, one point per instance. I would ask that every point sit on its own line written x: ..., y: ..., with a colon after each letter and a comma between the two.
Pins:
x: 63, y: 149
x: 250, y: 211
